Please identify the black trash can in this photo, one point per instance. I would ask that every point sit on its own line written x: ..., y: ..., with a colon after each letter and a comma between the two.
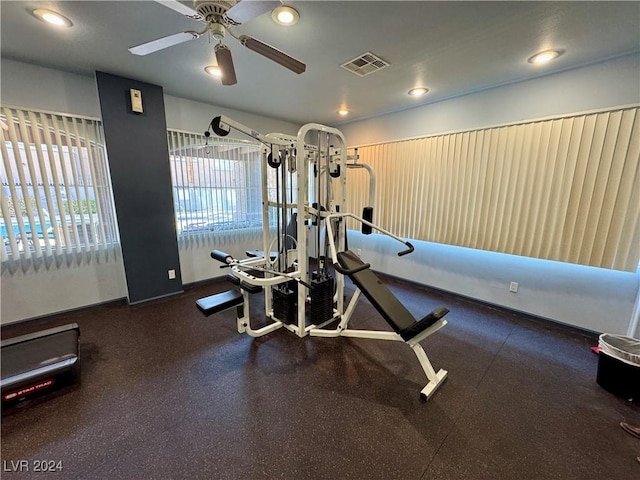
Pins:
x: 619, y: 366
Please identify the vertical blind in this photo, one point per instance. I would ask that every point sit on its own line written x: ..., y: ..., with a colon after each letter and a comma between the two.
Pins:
x: 564, y: 189
x: 216, y: 188
x: 56, y: 191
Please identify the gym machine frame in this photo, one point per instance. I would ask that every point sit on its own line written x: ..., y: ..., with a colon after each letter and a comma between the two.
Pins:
x: 323, y: 151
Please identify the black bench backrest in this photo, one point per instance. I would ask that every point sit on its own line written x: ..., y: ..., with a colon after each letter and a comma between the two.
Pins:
x: 377, y: 293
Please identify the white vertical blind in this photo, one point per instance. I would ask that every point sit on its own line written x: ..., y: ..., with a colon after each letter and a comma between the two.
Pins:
x: 56, y: 191
x: 565, y: 189
x: 216, y: 189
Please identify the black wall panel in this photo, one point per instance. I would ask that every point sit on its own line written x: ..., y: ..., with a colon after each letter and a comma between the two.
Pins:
x: 141, y: 177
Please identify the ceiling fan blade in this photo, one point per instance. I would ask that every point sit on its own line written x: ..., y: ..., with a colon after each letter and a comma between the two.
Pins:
x: 273, y: 54
x: 225, y: 64
x: 245, y: 10
x: 181, y: 8
x: 164, y: 42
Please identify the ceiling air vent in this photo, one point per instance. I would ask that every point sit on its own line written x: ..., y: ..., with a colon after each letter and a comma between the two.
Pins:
x: 365, y: 64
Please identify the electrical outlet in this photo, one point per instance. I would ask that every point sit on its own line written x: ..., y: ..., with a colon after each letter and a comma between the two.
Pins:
x: 359, y: 252
x: 513, y: 287
x: 172, y: 274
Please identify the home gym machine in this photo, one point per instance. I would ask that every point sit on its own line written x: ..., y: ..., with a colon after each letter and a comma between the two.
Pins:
x: 304, y: 217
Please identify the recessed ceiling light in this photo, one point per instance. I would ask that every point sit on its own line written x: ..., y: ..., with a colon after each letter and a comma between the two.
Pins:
x: 213, y: 70
x: 343, y: 111
x: 52, y: 17
x: 284, y: 15
x: 418, y: 92
x: 544, y: 56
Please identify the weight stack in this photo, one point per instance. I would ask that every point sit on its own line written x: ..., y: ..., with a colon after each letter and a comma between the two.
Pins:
x: 285, y: 301
x: 321, y: 298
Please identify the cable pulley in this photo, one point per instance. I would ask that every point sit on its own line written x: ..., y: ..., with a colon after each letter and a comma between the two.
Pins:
x: 274, y: 162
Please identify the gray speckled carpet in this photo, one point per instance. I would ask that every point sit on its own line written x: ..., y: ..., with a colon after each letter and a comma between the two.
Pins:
x: 167, y: 393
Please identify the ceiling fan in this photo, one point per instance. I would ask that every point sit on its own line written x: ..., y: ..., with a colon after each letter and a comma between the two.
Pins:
x: 221, y: 17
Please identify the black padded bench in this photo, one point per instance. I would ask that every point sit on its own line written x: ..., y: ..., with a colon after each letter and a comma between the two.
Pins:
x: 220, y: 301
x: 260, y: 254
x: 244, y: 285
x: 394, y: 312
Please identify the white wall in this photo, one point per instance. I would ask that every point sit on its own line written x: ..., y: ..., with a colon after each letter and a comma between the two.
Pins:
x: 33, y: 290
x: 30, y: 292
x: 595, y: 299
x: 196, y: 263
x: 39, y: 88
x: 192, y: 116
x: 634, y: 325
x: 590, y: 298
x: 612, y: 83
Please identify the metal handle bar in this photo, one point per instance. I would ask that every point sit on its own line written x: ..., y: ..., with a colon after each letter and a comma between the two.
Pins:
x: 350, y: 271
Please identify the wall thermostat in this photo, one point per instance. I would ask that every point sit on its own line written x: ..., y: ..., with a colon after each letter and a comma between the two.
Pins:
x: 136, y: 100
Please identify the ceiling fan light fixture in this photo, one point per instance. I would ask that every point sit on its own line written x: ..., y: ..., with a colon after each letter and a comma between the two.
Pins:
x: 343, y: 112
x: 217, y: 31
x: 544, y: 57
x: 418, y: 91
x: 285, y: 15
x: 51, y: 17
x: 213, y: 70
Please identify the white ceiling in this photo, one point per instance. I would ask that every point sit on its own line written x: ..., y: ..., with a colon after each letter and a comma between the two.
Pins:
x: 452, y: 48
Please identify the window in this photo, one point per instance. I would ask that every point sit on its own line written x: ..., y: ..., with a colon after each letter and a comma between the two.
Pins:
x: 216, y: 186
x: 56, y: 191
x: 564, y: 189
